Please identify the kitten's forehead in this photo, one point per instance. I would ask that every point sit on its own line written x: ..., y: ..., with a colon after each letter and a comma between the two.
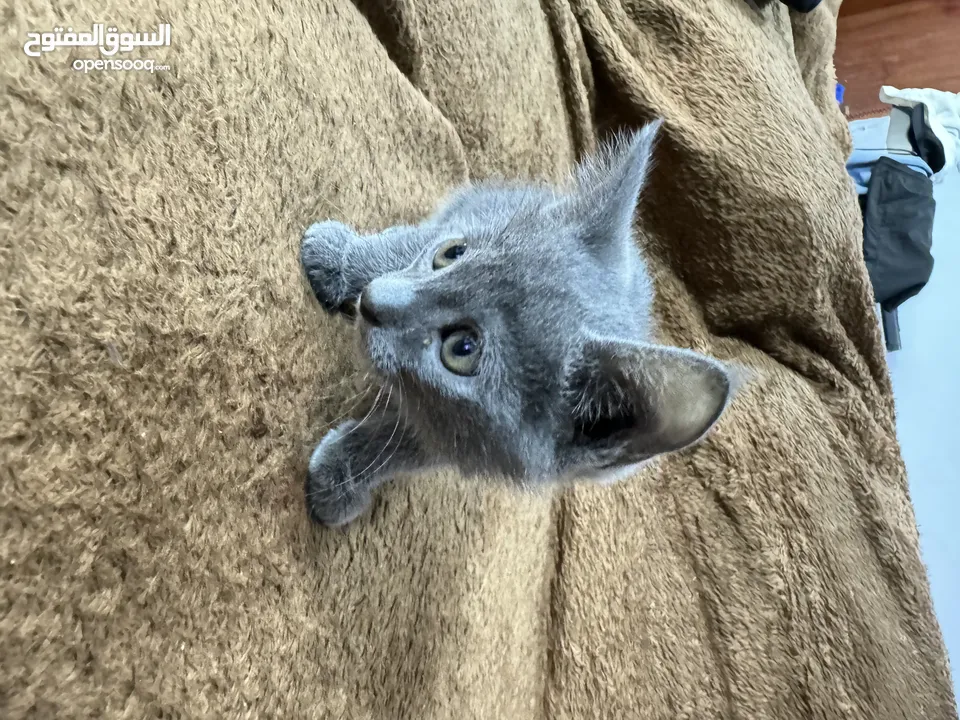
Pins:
x: 523, y: 260
x: 509, y: 225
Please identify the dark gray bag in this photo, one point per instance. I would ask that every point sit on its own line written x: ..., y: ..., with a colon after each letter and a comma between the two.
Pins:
x: 898, y: 212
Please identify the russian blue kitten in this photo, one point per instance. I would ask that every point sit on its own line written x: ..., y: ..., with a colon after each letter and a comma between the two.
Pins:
x: 514, y: 324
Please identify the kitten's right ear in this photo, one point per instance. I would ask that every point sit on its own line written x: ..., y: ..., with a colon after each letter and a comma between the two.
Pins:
x: 322, y: 255
x: 634, y: 401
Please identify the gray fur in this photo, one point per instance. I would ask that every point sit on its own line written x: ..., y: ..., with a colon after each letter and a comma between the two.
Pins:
x: 570, y: 384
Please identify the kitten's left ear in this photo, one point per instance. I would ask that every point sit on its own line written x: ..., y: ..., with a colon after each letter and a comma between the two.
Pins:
x: 634, y: 401
x: 609, y: 185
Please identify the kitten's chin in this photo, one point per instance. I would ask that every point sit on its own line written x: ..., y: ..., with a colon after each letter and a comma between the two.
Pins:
x: 612, y: 477
x: 608, y: 476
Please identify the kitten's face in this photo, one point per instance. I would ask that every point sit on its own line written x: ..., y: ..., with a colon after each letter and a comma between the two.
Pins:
x: 479, y: 328
x: 519, y: 337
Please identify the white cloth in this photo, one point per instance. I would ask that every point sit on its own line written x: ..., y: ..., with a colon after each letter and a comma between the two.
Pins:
x: 943, y: 116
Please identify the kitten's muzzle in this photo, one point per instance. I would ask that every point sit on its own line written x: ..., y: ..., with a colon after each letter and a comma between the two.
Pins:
x: 387, y: 302
x: 367, y: 311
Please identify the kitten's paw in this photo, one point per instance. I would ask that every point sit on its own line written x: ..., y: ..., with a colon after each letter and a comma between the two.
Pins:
x: 322, y: 251
x: 334, y: 496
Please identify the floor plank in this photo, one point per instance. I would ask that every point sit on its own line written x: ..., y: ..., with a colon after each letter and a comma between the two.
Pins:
x: 910, y: 44
x: 852, y: 7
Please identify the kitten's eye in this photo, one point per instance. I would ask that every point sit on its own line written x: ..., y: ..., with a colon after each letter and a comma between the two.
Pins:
x: 460, y: 351
x: 449, y: 253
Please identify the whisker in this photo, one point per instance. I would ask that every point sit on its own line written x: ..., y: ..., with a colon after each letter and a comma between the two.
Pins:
x: 357, y: 399
x: 340, y: 383
x: 327, y: 201
x: 338, y: 487
x: 395, y: 450
x: 370, y: 412
x: 386, y: 445
x: 406, y: 422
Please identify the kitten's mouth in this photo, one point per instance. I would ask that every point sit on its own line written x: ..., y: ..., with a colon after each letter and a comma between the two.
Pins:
x: 375, y: 348
x: 348, y: 309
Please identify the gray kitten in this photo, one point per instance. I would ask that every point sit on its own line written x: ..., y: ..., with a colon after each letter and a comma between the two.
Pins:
x: 515, y: 326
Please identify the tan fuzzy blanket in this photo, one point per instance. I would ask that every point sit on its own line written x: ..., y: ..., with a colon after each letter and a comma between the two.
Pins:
x: 164, y: 374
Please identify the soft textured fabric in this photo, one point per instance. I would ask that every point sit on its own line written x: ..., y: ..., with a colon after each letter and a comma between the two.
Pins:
x: 164, y: 373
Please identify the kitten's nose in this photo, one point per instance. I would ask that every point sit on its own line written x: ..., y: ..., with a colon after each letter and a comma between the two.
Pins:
x: 385, y: 301
x: 367, y: 311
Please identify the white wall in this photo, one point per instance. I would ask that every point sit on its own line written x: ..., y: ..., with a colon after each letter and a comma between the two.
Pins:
x: 926, y: 383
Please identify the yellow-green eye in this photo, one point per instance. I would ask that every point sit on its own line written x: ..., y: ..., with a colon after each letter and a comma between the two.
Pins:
x: 449, y: 253
x: 460, y: 351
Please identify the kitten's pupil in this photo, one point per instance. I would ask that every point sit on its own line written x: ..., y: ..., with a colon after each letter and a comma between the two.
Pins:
x: 464, y: 346
x: 448, y: 253
x: 460, y: 351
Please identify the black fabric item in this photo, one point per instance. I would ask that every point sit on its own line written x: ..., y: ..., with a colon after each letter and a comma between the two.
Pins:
x: 891, y: 329
x: 898, y: 232
x: 924, y: 142
x: 803, y: 6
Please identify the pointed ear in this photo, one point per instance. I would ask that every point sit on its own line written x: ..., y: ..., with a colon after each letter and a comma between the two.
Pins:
x: 608, y: 187
x: 634, y: 401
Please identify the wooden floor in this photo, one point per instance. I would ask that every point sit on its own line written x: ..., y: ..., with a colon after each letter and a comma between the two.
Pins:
x: 904, y: 43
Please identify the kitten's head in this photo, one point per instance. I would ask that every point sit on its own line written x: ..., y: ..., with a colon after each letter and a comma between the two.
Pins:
x: 521, y: 334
